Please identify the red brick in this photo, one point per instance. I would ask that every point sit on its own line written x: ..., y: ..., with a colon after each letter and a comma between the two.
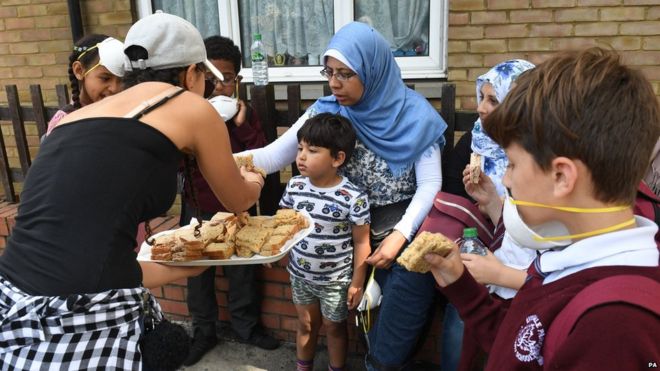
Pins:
x: 466, y: 5
x: 599, y: 2
x: 221, y: 300
x: 174, y: 307
x: 223, y: 315
x: 276, y: 275
x: 507, y: 4
x: 642, y: 58
x: 489, y: 17
x: 271, y: 321
x: 174, y: 293
x: 458, y: 19
x: 552, y: 30
x: 221, y: 284
x: 504, y: 31
x: 19, y: 23
x: 289, y: 323
x: 278, y: 307
x: 530, y: 16
x: 3, y: 244
x: 553, y: 3
x: 640, y: 28
x: 576, y: 15
x: 273, y: 290
x: 597, y: 29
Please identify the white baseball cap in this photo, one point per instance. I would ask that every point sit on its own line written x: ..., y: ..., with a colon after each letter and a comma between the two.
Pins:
x: 111, y: 55
x: 170, y: 42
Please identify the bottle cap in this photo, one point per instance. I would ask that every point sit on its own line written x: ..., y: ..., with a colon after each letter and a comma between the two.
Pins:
x: 470, y: 232
x: 257, y: 36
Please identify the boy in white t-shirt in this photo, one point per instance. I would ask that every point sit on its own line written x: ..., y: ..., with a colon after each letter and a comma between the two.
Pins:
x: 328, y: 267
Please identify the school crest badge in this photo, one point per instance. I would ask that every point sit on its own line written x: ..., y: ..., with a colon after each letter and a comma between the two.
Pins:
x: 529, y: 341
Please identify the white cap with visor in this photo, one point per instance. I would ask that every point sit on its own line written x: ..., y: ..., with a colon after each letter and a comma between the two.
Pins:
x: 170, y: 42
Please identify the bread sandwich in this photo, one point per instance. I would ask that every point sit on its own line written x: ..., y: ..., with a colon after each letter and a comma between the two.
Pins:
x: 475, y: 167
x: 426, y: 242
x: 252, y: 237
x: 219, y: 250
x: 249, y: 165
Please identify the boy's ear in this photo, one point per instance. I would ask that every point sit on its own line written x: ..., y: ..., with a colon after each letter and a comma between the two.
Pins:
x: 339, y: 159
x: 565, y: 173
x: 78, y: 70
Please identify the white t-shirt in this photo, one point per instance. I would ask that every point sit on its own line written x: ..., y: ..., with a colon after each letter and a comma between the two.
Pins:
x: 326, y: 255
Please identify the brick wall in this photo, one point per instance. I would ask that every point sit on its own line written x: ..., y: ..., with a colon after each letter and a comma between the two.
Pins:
x: 35, y: 40
x: 483, y: 33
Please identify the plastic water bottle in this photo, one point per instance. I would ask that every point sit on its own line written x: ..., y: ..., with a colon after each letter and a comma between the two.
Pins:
x: 259, y: 61
x: 471, y: 244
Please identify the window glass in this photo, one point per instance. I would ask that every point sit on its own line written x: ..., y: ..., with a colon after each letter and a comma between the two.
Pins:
x: 294, y: 32
x: 404, y: 23
x: 202, y: 13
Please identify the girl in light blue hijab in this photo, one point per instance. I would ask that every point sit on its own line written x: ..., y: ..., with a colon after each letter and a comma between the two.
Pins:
x: 500, y: 77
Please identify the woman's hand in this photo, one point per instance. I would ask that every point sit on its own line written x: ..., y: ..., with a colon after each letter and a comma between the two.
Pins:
x: 387, y: 250
x: 485, y: 193
x: 241, y: 116
x: 252, y: 177
x: 448, y: 269
x: 484, y: 269
x: 354, y: 296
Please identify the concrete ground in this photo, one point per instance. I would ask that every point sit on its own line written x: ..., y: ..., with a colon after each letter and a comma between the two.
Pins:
x: 231, y: 355
x: 234, y: 356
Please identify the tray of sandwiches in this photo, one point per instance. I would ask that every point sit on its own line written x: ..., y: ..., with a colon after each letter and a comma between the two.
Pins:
x: 229, y: 239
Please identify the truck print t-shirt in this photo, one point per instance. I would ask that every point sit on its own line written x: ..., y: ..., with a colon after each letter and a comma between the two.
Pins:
x: 326, y: 255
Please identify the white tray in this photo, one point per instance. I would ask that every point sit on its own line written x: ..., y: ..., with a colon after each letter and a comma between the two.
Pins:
x: 145, y: 250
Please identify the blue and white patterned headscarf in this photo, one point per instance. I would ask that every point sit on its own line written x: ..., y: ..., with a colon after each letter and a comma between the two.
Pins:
x: 494, y: 159
x: 393, y: 121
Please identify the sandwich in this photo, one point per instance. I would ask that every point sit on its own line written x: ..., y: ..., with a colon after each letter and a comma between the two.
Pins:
x: 426, y: 242
x: 252, y: 237
x: 212, y: 231
x: 219, y: 250
x: 262, y: 221
x: 287, y: 230
x: 273, y: 245
x: 475, y: 167
x: 290, y: 216
x: 244, y: 252
x: 249, y: 165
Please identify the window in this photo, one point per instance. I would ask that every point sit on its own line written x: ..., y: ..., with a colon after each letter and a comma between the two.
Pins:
x: 296, y: 32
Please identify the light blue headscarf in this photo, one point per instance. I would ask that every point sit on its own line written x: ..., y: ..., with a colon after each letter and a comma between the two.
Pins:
x: 392, y: 120
x: 494, y: 159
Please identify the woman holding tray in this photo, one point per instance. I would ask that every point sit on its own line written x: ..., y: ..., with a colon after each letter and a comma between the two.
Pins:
x: 69, y: 278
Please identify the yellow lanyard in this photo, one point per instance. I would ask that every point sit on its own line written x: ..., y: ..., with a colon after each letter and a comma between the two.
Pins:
x: 572, y: 209
x: 588, y: 234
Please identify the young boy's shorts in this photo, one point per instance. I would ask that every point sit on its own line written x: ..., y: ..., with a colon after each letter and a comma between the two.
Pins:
x: 332, y: 297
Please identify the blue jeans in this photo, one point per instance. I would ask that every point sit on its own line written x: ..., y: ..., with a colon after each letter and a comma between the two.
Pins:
x: 408, y: 299
x: 452, y: 339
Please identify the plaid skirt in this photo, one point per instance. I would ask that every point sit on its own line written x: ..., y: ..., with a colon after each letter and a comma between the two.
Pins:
x: 73, y: 332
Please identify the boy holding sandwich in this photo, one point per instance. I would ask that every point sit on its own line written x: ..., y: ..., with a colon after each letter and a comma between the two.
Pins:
x: 578, y: 132
x: 328, y: 267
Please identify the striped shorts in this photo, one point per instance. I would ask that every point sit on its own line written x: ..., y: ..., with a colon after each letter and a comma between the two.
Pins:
x: 331, y: 297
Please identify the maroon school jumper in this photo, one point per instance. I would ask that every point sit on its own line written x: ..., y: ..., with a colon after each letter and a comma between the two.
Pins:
x: 610, y: 337
x: 247, y: 136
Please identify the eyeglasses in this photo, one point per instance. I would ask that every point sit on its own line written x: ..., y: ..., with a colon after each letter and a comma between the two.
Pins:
x: 341, y: 76
x: 226, y: 82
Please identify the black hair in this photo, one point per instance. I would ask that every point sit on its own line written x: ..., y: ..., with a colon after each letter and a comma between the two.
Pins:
x: 171, y: 76
x: 332, y: 131
x: 220, y: 47
x: 90, y: 57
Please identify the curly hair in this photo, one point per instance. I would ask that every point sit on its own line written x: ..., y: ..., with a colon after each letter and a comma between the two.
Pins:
x: 220, y: 47
x: 83, y: 53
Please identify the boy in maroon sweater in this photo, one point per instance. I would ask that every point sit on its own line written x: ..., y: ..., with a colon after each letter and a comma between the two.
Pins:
x: 578, y: 131
x: 243, y: 299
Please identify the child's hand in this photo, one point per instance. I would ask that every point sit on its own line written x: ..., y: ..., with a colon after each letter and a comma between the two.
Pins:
x: 448, y: 269
x: 241, y: 116
x: 354, y: 296
x: 484, y: 269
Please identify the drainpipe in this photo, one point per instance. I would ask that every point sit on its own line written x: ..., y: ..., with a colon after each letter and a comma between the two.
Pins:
x: 75, y: 17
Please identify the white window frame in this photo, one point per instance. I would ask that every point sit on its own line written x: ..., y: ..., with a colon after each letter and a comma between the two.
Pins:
x: 433, y: 66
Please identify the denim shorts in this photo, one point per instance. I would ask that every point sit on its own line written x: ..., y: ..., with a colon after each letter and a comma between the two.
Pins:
x: 331, y: 297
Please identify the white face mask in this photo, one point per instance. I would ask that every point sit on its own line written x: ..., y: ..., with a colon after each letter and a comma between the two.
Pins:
x: 532, y: 238
x: 551, y: 234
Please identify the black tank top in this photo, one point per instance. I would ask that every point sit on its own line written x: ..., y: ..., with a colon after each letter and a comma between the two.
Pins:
x: 92, y: 183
